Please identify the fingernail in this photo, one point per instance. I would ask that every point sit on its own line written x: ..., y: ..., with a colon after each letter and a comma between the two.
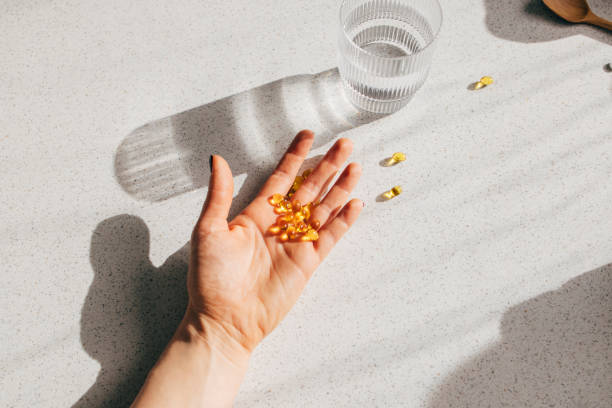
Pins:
x: 210, y: 162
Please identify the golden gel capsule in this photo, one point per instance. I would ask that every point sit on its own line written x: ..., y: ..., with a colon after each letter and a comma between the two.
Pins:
x: 306, y: 173
x: 396, y: 158
x: 395, y: 191
x: 487, y: 80
x: 274, y: 229
x: 310, y: 235
x: 275, y: 199
x: 315, y: 224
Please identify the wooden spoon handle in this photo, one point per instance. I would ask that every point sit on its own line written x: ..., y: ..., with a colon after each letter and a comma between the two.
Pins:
x: 598, y: 21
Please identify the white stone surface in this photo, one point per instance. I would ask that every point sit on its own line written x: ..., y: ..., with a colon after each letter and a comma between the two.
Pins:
x: 484, y: 284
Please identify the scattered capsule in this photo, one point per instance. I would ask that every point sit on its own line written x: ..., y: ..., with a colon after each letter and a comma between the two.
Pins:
x: 315, y: 224
x: 479, y: 85
x: 396, y: 158
x: 284, y: 237
x: 395, y: 191
x: 487, y: 80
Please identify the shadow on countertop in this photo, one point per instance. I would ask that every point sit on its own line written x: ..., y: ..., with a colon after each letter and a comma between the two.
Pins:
x: 531, y: 21
x: 131, y: 310
x: 555, y: 350
x: 251, y: 129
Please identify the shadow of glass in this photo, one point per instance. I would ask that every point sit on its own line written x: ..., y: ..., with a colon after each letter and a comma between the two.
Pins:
x: 554, y: 351
x: 169, y: 156
x: 131, y: 310
x: 530, y: 21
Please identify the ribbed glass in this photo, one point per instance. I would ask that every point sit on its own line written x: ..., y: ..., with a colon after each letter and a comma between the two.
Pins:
x: 385, y: 50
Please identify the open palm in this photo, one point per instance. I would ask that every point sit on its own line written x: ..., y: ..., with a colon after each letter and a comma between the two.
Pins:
x: 244, y: 280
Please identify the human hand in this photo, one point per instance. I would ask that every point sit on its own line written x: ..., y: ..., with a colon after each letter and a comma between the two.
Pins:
x: 242, y: 281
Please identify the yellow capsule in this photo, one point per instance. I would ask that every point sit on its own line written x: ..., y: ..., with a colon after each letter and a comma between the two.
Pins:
x: 275, y: 199
x: 274, y: 229
x: 284, y: 218
x: 280, y: 210
x: 291, y: 231
x: 395, y: 191
x: 297, y: 182
x: 305, y: 211
x: 302, y: 226
x: 487, y: 80
x: 310, y: 235
x: 479, y: 85
x: 297, y: 205
x: 396, y: 158
x: 284, y: 237
x: 306, y: 173
x: 315, y: 224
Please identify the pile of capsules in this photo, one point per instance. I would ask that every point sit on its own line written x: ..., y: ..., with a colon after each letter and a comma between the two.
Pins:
x: 294, y: 222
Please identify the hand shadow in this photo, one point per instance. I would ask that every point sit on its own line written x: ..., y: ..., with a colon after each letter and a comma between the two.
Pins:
x: 554, y: 350
x: 131, y: 310
x: 169, y: 156
x: 530, y: 21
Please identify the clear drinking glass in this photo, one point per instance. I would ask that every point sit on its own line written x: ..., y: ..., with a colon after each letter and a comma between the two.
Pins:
x: 385, y: 50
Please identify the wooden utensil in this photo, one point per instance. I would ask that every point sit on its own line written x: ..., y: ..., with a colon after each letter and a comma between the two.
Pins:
x: 577, y: 11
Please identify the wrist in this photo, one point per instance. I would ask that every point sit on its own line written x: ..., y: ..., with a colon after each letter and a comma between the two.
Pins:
x: 211, y: 336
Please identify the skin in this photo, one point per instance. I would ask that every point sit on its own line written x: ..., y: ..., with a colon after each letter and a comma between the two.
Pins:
x: 242, y: 281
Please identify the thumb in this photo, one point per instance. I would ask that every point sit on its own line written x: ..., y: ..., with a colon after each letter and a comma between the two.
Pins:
x: 219, y: 198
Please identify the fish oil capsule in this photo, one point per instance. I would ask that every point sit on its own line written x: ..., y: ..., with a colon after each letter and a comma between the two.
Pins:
x: 315, y: 224
x: 298, y: 216
x: 284, y: 237
x: 275, y: 199
x: 274, y: 229
x: 297, y: 205
x: 310, y: 235
x: 284, y: 217
x: 487, y: 80
x: 306, y: 173
x: 395, y: 191
x: 280, y: 210
x: 396, y: 158
x: 306, y: 211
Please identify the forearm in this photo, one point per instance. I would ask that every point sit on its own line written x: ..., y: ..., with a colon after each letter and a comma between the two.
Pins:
x: 198, y: 368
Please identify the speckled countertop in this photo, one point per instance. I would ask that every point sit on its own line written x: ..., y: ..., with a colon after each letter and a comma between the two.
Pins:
x: 484, y: 284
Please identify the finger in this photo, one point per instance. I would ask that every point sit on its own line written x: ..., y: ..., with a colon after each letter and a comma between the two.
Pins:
x: 219, y: 198
x: 338, y: 195
x: 312, y: 187
x: 282, y: 178
x: 331, y: 233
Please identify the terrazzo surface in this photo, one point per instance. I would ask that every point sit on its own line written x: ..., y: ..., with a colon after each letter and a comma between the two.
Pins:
x: 487, y: 283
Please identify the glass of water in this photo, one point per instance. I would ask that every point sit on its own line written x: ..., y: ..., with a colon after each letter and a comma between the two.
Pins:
x: 385, y: 50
